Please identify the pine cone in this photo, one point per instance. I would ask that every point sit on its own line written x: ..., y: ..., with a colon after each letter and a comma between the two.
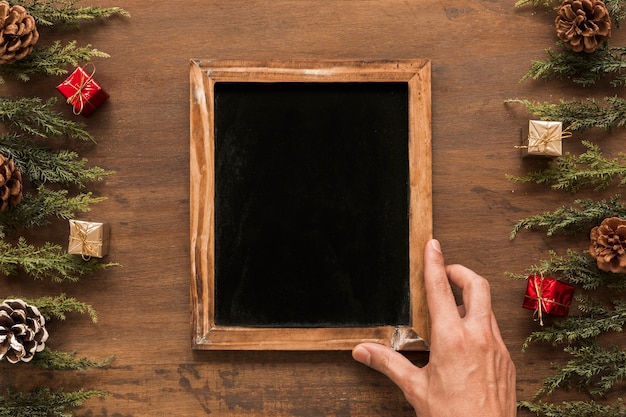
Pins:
x: 10, y: 184
x: 608, y: 245
x: 583, y: 24
x: 18, y: 33
x: 22, y: 331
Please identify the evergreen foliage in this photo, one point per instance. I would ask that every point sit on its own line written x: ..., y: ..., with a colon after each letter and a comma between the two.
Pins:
x: 580, y: 115
x: 66, y: 361
x: 41, y: 165
x: 575, y: 409
x: 36, y: 210
x: 570, y: 220
x: 43, y: 402
x: 35, y: 117
x: 583, y: 69
x: 57, y: 307
x: 64, y: 13
x: 573, y: 172
x: 51, y: 60
x: 46, y: 261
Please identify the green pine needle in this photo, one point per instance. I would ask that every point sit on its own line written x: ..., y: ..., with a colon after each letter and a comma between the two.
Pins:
x: 41, y: 165
x: 583, y: 69
x: 62, y: 13
x: 53, y: 360
x: 580, y: 115
x: 36, y: 117
x: 42, y: 402
x: 569, y: 220
x: 47, y: 261
x: 51, y: 60
x: 577, y: 269
x: 37, y: 210
x: 575, y: 409
x: 573, y: 172
x: 57, y: 307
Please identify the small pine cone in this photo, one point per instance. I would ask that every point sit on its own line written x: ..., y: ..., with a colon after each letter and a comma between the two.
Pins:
x: 18, y: 33
x: 608, y: 245
x: 22, y: 331
x: 583, y: 24
x: 10, y: 184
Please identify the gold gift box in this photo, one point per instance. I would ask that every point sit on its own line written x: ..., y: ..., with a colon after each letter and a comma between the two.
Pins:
x: 88, y: 239
x: 544, y: 138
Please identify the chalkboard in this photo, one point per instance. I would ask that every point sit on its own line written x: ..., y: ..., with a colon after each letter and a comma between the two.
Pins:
x: 310, y: 203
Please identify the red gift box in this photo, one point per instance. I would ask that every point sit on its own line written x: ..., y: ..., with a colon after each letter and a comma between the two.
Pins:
x: 82, y: 92
x: 548, y: 295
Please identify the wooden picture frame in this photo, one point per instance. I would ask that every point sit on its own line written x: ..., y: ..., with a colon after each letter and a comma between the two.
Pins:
x: 209, y: 334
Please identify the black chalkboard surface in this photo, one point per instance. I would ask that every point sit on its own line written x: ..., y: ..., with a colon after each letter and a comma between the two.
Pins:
x: 311, y: 204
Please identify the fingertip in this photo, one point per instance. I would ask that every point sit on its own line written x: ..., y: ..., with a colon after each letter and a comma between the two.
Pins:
x: 361, y: 354
x: 434, y: 244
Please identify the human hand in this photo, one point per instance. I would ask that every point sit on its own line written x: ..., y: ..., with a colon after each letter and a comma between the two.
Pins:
x: 470, y: 371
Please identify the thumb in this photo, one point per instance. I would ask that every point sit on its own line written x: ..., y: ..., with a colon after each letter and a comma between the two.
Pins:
x: 388, y: 362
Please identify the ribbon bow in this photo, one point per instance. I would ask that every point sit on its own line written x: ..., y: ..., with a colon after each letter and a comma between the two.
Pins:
x: 78, y: 94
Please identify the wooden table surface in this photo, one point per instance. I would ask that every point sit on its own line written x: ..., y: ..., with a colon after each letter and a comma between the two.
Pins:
x: 479, y: 51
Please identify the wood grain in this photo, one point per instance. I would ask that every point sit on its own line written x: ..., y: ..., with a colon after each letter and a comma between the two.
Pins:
x: 479, y: 50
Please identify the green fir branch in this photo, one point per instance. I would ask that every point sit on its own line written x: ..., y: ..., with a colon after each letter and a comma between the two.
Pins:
x: 573, y: 172
x: 64, y: 13
x: 47, y: 261
x: 42, y: 402
x: 41, y: 165
x: 577, y: 269
x: 581, y: 327
x: 591, y: 366
x: 66, y: 361
x: 583, y: 69
x: 37, y: 210
x: 580, y: 115
x: 569, y: 220
x: 51, y: 60
x: 575, y: 409
x: 58, y: 307
x: 36, y: 117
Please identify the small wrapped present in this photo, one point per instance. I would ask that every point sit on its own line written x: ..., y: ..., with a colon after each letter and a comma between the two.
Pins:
x: 83, y: 92
x: 544, y: 138
x: 549, y: 296
x: 88, y: 239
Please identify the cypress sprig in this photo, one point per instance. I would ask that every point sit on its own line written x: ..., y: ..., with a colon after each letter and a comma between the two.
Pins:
x: 583, y: 69
x: 42, y: 165
x: 592, y: 367
x: 38, y: 209
x: 47, y: 261
x: 43, y: 402
x: 66, y: 361
x: 58, y: 307
x: 580, y: 115
x: 576, y: 268
x: 51, y: 60
x: 582, y: 327
x: 573, y: 172
x: 575, y: 409
x: 569, y: 220
x: 36, y: 117
x: 63, y: 13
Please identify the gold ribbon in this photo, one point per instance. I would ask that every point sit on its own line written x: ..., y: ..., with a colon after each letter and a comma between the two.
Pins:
x: 538, y: 314
x: 87, y: 249
x: 84, y: 82
x: 541, y: 143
